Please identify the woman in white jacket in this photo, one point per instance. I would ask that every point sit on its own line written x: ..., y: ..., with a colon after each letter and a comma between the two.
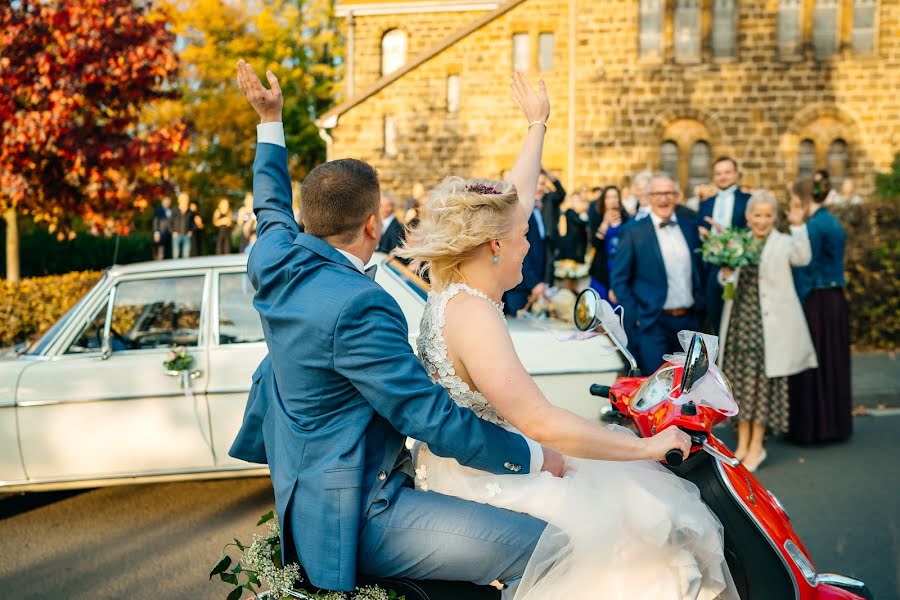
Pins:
x: 764, y: 333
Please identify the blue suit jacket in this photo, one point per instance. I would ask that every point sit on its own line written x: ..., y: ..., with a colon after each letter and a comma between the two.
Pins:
x: 532, y: 270
x: 638, y: 276
x: 738, y: 215
x: 331, y: 405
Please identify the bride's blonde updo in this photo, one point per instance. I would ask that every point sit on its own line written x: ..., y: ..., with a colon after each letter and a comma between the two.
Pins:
x: 460, y: 215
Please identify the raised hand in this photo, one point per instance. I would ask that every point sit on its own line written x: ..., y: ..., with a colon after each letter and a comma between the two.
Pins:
x: 796, y: 215
x: 535, y: 104
x: 266, y: 103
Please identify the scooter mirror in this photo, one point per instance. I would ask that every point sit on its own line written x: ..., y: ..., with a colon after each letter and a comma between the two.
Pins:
x: 696, y: 363
x: 587, y: 309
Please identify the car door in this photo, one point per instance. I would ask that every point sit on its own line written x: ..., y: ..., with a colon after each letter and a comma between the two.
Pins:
x: 237, y: 346
x: 85, y: 413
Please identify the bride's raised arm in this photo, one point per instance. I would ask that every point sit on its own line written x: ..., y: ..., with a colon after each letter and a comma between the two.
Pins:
x: 536, y: 107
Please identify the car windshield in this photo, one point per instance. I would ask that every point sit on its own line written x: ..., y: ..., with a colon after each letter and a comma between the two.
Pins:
x: 41, y: 344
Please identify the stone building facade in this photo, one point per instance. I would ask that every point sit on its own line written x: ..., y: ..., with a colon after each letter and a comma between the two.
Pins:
x: 784, y: 86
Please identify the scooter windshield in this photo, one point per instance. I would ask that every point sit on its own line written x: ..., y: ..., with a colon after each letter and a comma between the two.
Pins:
x: 654, y: 390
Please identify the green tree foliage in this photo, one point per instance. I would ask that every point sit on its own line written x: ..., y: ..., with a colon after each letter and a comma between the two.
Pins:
x: 296, y: 39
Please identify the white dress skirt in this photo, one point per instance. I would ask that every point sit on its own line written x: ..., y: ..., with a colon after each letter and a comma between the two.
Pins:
x: 619, y: 530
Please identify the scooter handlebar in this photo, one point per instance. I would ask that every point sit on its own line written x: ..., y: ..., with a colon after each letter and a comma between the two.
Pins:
x: 674, y: 457
x: 600, y: 390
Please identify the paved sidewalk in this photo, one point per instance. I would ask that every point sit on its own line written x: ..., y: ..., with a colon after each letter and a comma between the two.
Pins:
x: 876, y: 379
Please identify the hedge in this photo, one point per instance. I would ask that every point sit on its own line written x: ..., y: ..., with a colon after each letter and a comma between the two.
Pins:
x: 31, y: 306
x: 873, y: 249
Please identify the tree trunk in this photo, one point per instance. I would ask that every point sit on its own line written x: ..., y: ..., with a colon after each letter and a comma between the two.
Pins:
x: 12, y: 245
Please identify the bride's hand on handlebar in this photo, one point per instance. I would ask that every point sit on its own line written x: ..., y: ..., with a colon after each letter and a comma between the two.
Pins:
x: 668, y: 439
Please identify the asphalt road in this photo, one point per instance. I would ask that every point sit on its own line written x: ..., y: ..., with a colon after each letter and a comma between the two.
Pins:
x: 160, y: 541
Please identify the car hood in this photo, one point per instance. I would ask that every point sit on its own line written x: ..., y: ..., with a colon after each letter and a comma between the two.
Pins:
x: 546, y: 347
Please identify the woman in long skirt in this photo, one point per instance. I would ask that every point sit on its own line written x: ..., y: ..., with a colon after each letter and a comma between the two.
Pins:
x: 821, y: 401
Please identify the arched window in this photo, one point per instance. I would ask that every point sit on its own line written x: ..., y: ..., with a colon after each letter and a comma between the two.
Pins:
x: 651, y: 29
x: 698, y: 168
x: 826, y: 27
x: 806, y: 159
x: 668, y: 158
x: 723, y: 39
x: 789, y: 27
x: 393, y: 51
x: 838, y: 162
x: 863, y: 38
x: 687, y: 31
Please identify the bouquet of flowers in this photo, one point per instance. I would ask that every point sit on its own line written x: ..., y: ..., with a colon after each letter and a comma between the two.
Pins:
x: 260, y: 564
x: 178, y: 359
x: 731, y: 249
x: 569, y: 269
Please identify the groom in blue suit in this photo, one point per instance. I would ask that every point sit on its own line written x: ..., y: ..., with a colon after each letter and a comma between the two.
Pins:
x: 331, y: 405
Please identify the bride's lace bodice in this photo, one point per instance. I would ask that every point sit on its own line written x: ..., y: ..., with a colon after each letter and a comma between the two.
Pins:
x: 432, y: 350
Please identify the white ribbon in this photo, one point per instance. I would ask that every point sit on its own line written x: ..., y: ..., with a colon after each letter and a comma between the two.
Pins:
x: 712, y: 389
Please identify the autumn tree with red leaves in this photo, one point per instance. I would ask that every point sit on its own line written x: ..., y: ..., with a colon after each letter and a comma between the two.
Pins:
x: 74, y: 78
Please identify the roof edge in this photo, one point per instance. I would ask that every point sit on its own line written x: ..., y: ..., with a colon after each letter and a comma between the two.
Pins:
x: 331, y: 117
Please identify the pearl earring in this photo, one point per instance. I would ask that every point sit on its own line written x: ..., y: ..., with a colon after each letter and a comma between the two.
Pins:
x: 496, y: 259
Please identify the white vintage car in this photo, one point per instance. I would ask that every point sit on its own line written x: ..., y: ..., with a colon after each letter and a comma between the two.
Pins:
x: 90, y: 403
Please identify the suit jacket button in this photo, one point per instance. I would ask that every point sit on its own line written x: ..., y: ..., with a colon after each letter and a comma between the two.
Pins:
x: 382, y: 475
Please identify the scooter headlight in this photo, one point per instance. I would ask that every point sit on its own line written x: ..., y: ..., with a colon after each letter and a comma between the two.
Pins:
x: 654, y: 390
x: 801, y: 562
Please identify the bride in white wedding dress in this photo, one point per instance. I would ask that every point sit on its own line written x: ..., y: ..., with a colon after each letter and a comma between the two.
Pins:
x: 623, y: 526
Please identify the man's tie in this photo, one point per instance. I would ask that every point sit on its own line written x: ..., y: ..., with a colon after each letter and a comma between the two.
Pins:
x: 370, y: 272
x: 666, y: 223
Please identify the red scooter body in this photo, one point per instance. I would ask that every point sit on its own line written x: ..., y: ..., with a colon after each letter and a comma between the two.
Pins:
x: 726, y: 483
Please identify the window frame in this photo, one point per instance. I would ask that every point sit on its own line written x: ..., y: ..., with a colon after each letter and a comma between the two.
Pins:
x: 384, y: 37
x: 796, y: 52
x: 662, y: 167
x: 812, y: 145
x: 392, y: 151
x: 521, y: 35
x: 875, y: 5
x: 214, y: 324
x: 451, y: 108
x: 689, y: 186
x: 684, y: 8
x: 659, y: 53
x: 541, y: 67
x: 734, y: 32
x: 817, y: 9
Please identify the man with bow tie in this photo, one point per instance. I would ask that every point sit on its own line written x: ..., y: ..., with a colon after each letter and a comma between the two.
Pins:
x: 656, y: 276
x: 725, y: 210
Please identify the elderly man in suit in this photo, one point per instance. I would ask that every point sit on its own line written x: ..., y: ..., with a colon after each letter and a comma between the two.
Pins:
x: 391, y: 230
x: 727, y: 209
x: 332, y: 404
x: 656, y: 275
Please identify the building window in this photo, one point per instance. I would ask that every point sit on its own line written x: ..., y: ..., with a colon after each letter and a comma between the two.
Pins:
x: 825, y: 27
x: 863, y: 37
x: 789, y: 26
x: 452, y: 93
x: 699, y: 171
x: 723, y: 41
x: 393, y: 51
x: 390, y: 135
x: 806, y: 159
x: 521, y: 51
x: 545, y: 52
x: 668, y: 158
x: 651, y: 29
x: 838, y: 162
x: 687, y: 31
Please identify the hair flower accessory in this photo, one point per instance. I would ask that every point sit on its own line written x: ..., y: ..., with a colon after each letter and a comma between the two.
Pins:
x: 481, y: 188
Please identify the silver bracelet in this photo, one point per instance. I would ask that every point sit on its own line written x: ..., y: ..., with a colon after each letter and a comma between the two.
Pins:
x: 533, y: 123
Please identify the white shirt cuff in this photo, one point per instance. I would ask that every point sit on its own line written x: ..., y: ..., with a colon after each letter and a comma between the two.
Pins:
x: 537, y: 456
x: 271, y: 133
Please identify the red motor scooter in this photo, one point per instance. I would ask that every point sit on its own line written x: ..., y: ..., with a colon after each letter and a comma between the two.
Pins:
x: 766, y: 558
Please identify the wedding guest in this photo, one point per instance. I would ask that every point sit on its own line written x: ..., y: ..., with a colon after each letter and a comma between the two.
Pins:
x: 656, y: 276
x: 391, y: 230
x: 639, y: 189
x: 246, y: 220
x: 533, y: 284
x: 573, y: 237
x: 846, y: 197
x: 607, y: 216
x: 415, y: 204
x: 199, y: 231
x: 548, y: 199
x: 182, y: 227
x: 223, y: 221
x: 764, y: 337
x: 162, y: 229
x: 821, y: 400
x: 725, y: 210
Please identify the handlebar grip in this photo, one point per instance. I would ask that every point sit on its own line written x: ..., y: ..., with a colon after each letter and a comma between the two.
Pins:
x: 600, y: 390
x: 674, y: 457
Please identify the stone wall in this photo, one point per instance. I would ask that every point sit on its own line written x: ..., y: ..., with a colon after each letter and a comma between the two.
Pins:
x: 756, y: 107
